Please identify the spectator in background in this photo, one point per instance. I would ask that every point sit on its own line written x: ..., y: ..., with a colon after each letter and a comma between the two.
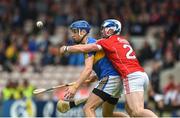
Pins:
x: 32, y: 44
x: 11, y: 91
x: 154, y: 93
x: 11, y: 52
x: 146, y: 52
x: 47, y: 58
x: 167, y: 101
x: 171, y: 85
x: 16, y: 91
x: 158, y: 51
x: 7, y: 92
x: 43, y: 42
x: 155, y: 77
x: 161, y: 36
x: 27, y: 89
x: 24, y: 58
x: 170, y: 91
x: 171, y: 96
x: 43, y: 47
x: 176, y: 100
x: 169, y: 56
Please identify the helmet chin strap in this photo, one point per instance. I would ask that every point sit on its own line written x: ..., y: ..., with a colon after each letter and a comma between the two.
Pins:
x: 82, y: 37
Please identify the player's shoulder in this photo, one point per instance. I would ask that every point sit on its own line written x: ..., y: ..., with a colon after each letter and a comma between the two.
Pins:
x: 117, y: 36
x: 102, y: 39
x: 91, y: 40
x: 120, y: 39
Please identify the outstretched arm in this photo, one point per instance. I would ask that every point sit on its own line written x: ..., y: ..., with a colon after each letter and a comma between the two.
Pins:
x: 83, y: 76
x: 80, y: 48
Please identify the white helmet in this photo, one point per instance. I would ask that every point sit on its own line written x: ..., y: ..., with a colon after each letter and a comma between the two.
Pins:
x: 111, y: 24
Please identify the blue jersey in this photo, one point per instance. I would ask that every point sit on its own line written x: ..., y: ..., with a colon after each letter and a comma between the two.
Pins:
x: 101, y: 65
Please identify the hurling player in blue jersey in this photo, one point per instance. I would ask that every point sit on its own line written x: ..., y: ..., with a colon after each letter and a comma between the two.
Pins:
x: 109, y: 87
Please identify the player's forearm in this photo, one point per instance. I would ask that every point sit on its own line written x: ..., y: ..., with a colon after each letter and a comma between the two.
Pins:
x: 84, y: 75
x: 91, y: 78
x: 82, y: 48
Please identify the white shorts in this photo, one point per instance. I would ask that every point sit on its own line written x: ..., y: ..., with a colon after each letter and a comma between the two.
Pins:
x: 111, y: 85
x: 136, y: 81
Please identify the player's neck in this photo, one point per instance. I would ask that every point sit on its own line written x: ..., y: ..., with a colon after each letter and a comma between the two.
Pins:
x: 84, y: 40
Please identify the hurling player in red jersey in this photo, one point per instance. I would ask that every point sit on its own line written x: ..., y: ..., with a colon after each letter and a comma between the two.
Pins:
x: 123, y: 58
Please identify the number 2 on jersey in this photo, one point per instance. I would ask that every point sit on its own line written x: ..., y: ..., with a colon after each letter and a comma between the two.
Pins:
x: 129, y: 53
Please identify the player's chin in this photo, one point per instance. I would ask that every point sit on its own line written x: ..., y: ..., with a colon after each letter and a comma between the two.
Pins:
x: 104, y: 36
x: 74, y: 37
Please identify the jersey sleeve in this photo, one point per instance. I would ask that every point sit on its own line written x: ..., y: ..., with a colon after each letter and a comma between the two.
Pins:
x: 100, y: 42
x: 89, y: 54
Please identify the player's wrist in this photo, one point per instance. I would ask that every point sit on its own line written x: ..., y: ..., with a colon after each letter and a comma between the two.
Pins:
x: 75, y: 86
x: 66, y: 48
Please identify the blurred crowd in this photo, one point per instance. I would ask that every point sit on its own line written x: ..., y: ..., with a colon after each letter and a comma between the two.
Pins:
x: 166, y: 98
x: 23, y: 44
x: 15, y: 90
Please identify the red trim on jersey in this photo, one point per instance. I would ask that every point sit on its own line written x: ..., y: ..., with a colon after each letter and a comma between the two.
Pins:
x: 126, y: 85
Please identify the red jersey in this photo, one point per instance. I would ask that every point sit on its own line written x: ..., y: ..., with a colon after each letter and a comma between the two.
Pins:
x: 121, y: 54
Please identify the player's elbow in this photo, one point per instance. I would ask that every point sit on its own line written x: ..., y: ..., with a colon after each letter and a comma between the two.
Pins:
x: 96, y: 47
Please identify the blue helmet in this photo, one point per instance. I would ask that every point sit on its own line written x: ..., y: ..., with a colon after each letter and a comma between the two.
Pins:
x: 81, y: 24
x: 112, y: 24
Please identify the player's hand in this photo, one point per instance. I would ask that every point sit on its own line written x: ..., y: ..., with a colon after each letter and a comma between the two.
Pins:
x: 70, y: 92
